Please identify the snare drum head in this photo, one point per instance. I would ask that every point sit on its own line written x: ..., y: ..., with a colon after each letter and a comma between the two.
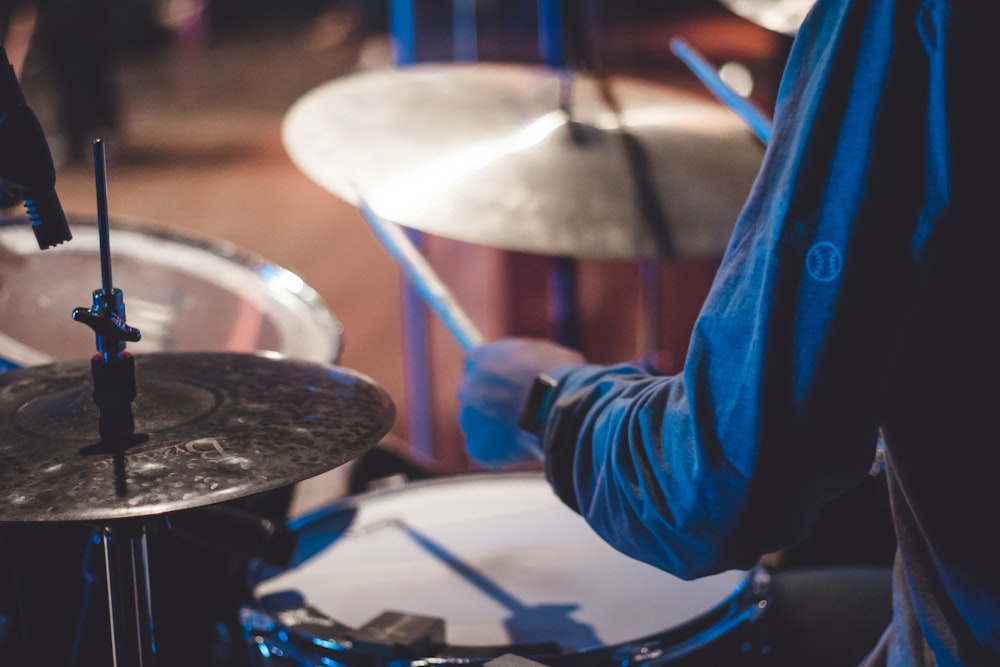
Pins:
x: 183, y: 293
x: 497, y: 557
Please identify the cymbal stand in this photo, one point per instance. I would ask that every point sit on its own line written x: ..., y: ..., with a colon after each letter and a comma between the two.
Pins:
x: 403, y: 26
x: 652, y: 211
x: 650, y: 334
x: 562, y: 270
x: 113, y: 373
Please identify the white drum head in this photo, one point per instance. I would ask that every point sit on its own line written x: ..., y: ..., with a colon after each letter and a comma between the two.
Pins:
x: 183, y: 293
x: 498, y: 557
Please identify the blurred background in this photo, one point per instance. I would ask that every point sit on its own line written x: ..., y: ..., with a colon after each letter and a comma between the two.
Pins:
x: 189, y: 97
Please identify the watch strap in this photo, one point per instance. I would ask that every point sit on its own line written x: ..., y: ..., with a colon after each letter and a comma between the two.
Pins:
x: 536, y: 406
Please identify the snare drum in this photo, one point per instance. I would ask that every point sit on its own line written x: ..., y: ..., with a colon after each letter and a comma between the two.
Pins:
x: 183, y: 293
x: 467, y: 568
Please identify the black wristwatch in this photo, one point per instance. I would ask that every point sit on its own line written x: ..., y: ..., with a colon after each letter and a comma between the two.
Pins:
x: 537, y: 404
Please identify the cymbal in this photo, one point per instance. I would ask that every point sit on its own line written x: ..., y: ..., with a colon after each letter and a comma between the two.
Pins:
x: 482, y: 153
x: 784, y: 16
x: 209, y: 427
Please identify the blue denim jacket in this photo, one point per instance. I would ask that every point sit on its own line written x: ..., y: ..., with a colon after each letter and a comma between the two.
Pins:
x: 858, y: 292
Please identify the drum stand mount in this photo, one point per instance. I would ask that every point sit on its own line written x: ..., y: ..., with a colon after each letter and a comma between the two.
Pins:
x: 113, y: 371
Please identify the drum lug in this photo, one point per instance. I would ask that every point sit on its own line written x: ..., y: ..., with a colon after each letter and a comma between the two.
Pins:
x: 760, y: 588
x: 254, y: 620
x: 637, y: 654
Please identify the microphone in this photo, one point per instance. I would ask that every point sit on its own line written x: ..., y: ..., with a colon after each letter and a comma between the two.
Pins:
x: 26, y: 170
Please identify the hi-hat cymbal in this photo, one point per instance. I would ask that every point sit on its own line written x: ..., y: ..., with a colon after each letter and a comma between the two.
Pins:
x: 482, y: 153
x: 209, y: 427
x: 784, y: 16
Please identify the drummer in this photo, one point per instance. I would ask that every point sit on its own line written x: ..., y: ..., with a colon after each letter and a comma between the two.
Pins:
x: 850, y: 301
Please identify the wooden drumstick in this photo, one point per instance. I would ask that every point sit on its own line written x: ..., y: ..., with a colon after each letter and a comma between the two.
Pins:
x: 423, y: 279
x: 708, y: 75
x: 427, y: 284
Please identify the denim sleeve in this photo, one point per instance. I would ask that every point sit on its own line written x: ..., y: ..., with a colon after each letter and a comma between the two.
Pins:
x: 777, y: 408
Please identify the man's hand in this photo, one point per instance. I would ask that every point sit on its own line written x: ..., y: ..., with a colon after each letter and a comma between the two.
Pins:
x: 495, y: 384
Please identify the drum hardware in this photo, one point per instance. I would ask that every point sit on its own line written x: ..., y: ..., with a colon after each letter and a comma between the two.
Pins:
x: 186, y: 293
x: 208, y: 428
x: 200, y: 428
x: 113, y: 377
x: 511, y: 660
x: 236, y: 530
x: 383, y: 466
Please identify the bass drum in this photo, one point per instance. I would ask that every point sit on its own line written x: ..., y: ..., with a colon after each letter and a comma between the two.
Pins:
x: 184, y: 293
x: 468, y: 568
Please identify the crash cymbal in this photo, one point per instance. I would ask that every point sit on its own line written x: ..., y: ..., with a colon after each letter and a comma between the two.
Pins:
x: 209, y: 427
x: 784, y: 16
x: 482, y: 153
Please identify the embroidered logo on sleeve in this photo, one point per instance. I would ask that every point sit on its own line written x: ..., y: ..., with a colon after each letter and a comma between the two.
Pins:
x: 824, y: 261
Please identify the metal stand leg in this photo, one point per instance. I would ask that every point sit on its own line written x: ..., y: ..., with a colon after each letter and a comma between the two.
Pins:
x: 127, y: 561
x: 466, y: 40
x: 415, y: 349
x: 651, y: 320
x: 562, y: 302
x: 402, y: 24
x: 417, y: 372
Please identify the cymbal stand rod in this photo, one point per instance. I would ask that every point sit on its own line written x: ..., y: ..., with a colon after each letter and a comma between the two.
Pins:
x: 113, y: 375
x: 562, y: 302
x: 101, y: 178
x: 552, y: 47
x: 402, y: 25
x: 107, y: 314
x: 464, y: 34
x: 550, y: 32
x: 126, y: 560
x: 650, y: 333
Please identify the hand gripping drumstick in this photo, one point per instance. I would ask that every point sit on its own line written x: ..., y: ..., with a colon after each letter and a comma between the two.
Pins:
x: 427, y: 284
x: 423, y: 279
x: 708, y: 75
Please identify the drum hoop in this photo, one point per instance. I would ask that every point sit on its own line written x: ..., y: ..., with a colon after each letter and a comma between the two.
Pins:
x: 744, y: 606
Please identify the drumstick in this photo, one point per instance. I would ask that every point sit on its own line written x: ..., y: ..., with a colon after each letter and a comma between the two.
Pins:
x: 425, y: 282
x: 754, y: 119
